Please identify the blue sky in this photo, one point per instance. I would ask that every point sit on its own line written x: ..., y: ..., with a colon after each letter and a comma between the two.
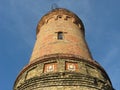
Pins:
x: 18, y: 21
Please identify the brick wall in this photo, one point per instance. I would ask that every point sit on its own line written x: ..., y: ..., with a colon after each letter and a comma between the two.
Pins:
x: 73, y: 41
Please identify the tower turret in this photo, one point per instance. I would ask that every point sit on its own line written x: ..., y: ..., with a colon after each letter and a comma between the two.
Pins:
x: 61, y: 59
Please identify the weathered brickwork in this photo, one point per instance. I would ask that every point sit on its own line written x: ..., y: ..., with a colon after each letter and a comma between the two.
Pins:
x: 61, y: 59
x: 86, y: 75
x: 73, y: 37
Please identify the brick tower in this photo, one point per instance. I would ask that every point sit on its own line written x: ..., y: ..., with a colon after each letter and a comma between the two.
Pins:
x: 61, y: 59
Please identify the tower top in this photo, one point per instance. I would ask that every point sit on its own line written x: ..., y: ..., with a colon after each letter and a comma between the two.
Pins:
x: 58, y: 12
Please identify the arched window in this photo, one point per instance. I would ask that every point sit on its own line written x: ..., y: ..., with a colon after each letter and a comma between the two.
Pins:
x: 60, y: 35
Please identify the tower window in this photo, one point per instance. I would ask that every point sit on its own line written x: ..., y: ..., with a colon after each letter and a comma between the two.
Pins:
x: 59, y: 16
x: 60, y: 35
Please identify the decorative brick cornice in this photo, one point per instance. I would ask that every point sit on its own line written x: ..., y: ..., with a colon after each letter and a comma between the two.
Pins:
x: 59, y: 11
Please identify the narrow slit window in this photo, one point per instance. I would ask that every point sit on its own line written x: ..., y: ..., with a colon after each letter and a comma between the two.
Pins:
x: 60, y: 35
